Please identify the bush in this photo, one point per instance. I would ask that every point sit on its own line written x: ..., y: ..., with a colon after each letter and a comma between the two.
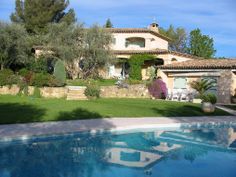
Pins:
x: 60, y: 72
x: 136, y: 62
x: 41, y: 79
x: 210, y: 97
x: 38, y: 65
x: 7, y: 77
x: 27, y: 76
x: 158, y: 89
x: 92, y: 91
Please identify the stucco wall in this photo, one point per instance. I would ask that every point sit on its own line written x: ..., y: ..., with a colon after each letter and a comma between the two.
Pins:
x: 151, y: 41
x: 225, y: 82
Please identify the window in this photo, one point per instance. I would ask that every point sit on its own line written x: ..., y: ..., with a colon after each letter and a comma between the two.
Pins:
x: 180, y: 83
x: 173, y: 60
x: 137, y: 42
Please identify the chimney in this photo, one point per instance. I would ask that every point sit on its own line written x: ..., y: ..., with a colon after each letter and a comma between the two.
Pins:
x: 154, y: 27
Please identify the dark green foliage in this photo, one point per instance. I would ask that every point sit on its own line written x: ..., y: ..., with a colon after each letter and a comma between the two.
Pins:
x: 92, y: 91
x: 108, y: 24
x: 41, y: 79
x: 96, y: 51
x: 203, y: 85
x: 15, y: 48
x: 178, y: 38
x: 7, y: 77
x: 209, y: 97
x: 201, y: 45
x: 60, y: 72
x: 136, y: 62
x: 27, y: 77
x: 36, y: 14
x: 38, y: 65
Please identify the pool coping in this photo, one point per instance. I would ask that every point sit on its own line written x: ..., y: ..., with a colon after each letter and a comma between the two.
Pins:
x: 25, y: 131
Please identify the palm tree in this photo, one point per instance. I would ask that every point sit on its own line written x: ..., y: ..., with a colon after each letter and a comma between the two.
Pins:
x: 203, y: 85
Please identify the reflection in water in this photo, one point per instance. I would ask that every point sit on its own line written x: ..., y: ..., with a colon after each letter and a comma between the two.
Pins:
x: 157, y: 153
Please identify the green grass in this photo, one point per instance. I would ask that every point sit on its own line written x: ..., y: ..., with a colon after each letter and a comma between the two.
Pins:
x: 99, y: 82
x: 15, y: 109
x: 231, y: 107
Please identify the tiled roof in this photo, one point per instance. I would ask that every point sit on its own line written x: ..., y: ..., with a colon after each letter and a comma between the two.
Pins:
x: 137, y: 30
x: 132, y: 52
x: 153, y: 52
x: 203, y: 64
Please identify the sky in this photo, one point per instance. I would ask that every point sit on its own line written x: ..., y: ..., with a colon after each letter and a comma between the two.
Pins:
x: 216, y: 18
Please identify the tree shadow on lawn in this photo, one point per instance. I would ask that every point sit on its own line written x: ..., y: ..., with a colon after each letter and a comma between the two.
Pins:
x: 78, y: 114
x: 187, y: 111
x: 20, y: 113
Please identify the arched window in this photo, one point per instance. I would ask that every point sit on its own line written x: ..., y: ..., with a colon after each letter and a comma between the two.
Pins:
x: 136, y: 42
x: 173, y: 60
x: 159, y: 62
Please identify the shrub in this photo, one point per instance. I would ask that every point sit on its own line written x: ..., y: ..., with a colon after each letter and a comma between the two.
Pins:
x: 27, y: 76
x: 7, y: 77
x: 136, y: 62
x: 92, y: 91
x: 38, y: 65
x: 203, y: 85
x: 158, y: 89
x: 210, y: 97
x: 60, y: 72
x: 41, y: 79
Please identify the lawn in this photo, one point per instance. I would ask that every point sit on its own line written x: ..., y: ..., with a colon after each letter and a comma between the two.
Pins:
x: 99, y: 82
x: 15, y: 109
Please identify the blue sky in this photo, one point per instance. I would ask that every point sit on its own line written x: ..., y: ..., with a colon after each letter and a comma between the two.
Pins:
x: 214, y: 17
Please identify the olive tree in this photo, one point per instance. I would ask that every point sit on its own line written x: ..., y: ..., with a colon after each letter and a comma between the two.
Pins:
x: 14, y: 46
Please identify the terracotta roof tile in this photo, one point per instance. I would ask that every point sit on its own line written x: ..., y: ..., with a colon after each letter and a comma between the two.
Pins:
x: 203, y: 64
x: 137, y: 30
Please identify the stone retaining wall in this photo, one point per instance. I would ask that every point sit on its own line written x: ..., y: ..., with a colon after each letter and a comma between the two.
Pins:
x: 47, y: 92
x: 133, y: 91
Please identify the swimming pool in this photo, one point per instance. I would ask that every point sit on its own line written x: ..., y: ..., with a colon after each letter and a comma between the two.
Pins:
x: 194, y: 152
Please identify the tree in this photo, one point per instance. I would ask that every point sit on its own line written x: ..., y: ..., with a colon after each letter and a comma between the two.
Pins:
x: 36, y: 14
x: 65, y: 43
x: 14, y: 46
x: 202, y: 86
x: 96, y: 51
x: 178, y: 38
x: 108, y: 24
x: 201, y: 45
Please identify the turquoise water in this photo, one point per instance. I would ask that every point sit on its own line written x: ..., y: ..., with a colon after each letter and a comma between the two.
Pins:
x: 161, y: 153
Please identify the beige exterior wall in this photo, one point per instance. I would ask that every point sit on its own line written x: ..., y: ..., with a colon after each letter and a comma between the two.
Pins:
x: 225, y: 81
x: 152, y: 42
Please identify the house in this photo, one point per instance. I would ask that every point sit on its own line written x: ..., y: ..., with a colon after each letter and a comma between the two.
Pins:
x: 176, y: 69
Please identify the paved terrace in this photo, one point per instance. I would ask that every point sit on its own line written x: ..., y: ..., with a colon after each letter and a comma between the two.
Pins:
x: 8, y: 132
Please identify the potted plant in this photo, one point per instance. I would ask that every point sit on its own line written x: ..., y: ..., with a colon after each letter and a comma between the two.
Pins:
x: 234, y: 97
x: 208, y: 102
x: 201, y: 86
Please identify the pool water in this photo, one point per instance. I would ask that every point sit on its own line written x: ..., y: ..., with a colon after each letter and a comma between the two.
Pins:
x: 195, y: 152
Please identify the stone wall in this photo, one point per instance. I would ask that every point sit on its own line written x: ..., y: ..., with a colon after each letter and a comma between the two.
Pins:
x: 47, y: 92
x: 53, y: 92
x: 225, y: 83
x: 133, y: 91
x: 9, y: 90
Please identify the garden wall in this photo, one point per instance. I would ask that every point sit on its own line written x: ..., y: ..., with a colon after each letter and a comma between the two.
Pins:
x: 47, y: 92
x: 133, y: 91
